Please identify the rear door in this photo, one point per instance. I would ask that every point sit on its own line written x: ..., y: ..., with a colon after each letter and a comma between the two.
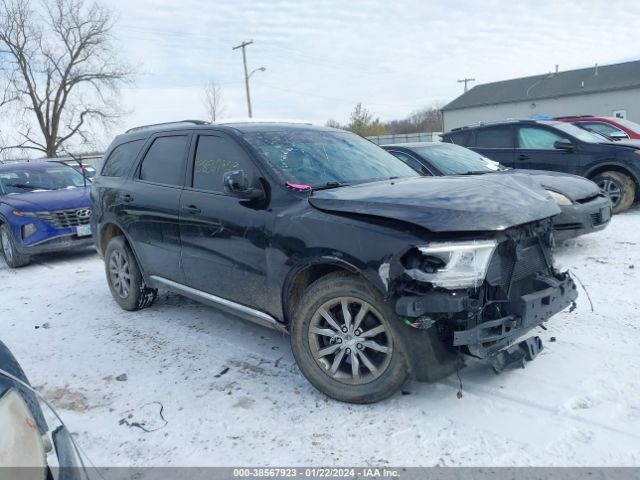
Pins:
x: 223, y: 237
x: 152, y: 204
x: 536, y: 150
x: 495, y: 142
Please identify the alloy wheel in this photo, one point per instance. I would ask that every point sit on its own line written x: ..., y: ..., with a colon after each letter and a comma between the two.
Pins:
x: 612, y: 189
x: 350, y: 341
x: 6, y: 246
x: 120, y: 273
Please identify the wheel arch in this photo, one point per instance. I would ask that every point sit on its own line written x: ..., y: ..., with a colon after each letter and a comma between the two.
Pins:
x: 613, y: 167
x: 304, y: 274
x: 111, y: 229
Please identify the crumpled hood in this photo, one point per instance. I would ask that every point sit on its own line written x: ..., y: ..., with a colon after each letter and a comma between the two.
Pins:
x: 445, y: 204
x: 49, y: 200
x: 571, y: 186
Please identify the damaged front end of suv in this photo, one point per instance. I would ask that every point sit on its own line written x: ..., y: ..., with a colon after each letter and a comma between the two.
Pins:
x: 482, y: 295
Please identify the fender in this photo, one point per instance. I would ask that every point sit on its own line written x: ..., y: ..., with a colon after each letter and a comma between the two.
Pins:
x: 328, y: 260
x: 613, y: 163
x: 102, y: 226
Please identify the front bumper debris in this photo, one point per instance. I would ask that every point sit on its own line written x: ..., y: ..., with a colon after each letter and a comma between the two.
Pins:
x: 530, y: 310
x: 517, y: 354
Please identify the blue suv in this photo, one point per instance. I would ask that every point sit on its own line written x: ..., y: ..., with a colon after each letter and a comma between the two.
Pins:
x: 44, y: 207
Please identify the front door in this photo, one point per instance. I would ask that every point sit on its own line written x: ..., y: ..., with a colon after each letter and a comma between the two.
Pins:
x: 536, y: 150
x: 223, y: 237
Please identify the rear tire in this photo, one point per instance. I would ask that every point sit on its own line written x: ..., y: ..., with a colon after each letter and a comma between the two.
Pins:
x: 124, y: 277
x: 353, y: 357
x: 619, y: 187
x: 11, y: 254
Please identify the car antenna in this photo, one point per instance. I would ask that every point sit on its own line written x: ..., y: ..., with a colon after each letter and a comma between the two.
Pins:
x: 75, y: 159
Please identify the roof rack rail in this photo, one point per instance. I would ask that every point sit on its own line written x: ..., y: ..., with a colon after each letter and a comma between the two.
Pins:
x: 566, y: 117
x: 177, y: 122
x: 495, y: 122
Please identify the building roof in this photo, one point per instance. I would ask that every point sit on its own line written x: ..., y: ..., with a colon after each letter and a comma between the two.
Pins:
x: 604, y: 78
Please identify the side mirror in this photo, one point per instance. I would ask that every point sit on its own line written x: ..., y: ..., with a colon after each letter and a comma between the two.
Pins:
x: 563, y: 144
x: 618, y: 136
x: 236, y: 183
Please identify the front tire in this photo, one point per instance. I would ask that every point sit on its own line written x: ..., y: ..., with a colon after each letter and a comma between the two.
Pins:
x: 124, y: 277
x: 11, y: 254
x: 344, y: 342
x: 620, y: 188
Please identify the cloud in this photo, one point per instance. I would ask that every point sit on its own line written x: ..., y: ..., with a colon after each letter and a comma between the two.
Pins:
x: 324, y: 56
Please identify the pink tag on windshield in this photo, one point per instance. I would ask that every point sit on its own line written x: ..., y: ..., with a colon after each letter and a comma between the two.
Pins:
x: 298, y: 186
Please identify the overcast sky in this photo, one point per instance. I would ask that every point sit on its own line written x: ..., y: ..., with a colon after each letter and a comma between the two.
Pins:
x: 322, y: 57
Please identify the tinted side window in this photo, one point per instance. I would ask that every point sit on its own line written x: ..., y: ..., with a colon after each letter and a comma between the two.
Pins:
x: 121, y: 158
x: 459, y: 138
x: 602, y: 128
x: 537, y: 138
x: 164, y: 161
x: 412, y: 162
x: 494, y: 137
x: 214, y: 157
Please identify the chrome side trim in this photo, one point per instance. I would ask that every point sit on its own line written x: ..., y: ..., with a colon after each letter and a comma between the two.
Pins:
x: 252, y: 314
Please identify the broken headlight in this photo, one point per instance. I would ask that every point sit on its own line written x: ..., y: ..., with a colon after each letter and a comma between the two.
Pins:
x: 455, y: 265
x: 559, y: 198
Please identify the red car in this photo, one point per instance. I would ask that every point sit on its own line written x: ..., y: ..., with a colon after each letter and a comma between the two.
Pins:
x: 612, y: 127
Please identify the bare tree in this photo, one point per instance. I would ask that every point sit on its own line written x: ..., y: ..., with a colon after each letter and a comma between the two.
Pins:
x: 64, y: 71
x: 212, y: 100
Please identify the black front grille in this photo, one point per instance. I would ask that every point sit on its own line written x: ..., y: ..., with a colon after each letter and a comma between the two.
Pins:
x: 513, y: 262
x: 74, y: 217
x: 596, y: 219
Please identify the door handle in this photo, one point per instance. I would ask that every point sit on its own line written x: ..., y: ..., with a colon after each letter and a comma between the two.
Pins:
x: 523, y: 156
x: 127, y: 198
x: 192, y: 209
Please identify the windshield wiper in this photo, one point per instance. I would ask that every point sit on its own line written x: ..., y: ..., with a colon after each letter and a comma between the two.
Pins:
x: 475, y: 172
x: 26, y: 186
x: 329, y: 185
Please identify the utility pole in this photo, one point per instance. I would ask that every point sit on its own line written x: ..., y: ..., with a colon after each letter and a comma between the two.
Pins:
x: 466, y: 81
x: 246, y: 73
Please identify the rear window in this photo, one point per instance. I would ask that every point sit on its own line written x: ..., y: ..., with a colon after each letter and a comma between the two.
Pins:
x: 459, y: 138
x: 494, y: 137
x: 165, y: 161
x: 121, y: 159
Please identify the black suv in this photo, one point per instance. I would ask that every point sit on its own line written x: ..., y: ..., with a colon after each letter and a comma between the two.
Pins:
x: 559, y: 146
x: 378, y: 274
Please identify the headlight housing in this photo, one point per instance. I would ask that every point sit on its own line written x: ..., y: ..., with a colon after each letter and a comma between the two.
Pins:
x: 559, y: 198
x: 457, y: 264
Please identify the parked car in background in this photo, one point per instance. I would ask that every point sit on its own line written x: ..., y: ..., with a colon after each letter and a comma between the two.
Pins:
x: 377, y: 273
x: 584, y: 207
x: 44, y: 207
x: 87, y: 170
x: 611, y: 127
x: 561, y: 147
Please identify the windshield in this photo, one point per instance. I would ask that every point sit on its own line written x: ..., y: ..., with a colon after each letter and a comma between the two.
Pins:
x: 453, y: 159
x: 579, y: 133
x: 323, y: 158
x: 26, y: 178
x: 628, y: 124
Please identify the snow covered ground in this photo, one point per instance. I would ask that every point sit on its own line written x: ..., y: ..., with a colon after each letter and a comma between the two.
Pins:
x: 231, y: 394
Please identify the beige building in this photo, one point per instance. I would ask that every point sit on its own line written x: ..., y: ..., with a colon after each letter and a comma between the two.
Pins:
x: 610, y: 90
